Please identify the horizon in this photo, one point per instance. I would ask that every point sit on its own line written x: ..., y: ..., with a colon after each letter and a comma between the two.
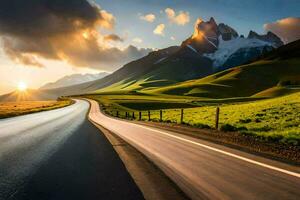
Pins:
x: 144, y: 25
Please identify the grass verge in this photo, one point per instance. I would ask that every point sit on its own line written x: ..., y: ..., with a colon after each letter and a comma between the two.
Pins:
x: 12, y: 109
x: 274, y: 120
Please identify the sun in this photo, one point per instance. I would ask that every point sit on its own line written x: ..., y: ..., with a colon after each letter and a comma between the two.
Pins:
x: 22, y: 86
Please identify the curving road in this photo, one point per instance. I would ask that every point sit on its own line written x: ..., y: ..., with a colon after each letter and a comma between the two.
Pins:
x: 60, y: 155
x: 204, y: 170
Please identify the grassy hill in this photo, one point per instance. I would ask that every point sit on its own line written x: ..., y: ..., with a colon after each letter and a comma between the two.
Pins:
x: 157, y: 70
x: 263, y: 78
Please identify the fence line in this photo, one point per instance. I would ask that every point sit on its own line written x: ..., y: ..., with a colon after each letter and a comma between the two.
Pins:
x: 149, y: 114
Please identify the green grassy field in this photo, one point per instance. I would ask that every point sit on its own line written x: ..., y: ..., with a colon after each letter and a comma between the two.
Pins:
x: 12, y: 109
x: 138, y: 101
x: 276, y: 119
x: 261, y: 99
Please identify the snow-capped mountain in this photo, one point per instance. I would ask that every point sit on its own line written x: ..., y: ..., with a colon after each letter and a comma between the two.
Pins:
x: 74, y: 79
x: 242, y: 48
x: 269, y: 37
x: 223, y: 45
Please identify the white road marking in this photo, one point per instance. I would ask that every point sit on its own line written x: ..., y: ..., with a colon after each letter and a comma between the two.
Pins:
x: 295, y: 174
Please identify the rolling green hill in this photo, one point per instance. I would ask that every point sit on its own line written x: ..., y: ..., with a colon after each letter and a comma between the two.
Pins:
x: 275, y: 74
x: 158, y: 70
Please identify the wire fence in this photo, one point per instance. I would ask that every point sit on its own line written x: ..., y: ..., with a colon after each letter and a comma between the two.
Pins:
x: 168, y: 115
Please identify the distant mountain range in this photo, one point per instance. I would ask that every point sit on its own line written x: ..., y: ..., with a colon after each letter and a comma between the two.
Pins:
x: 212, y: 48
x: 74, y: 79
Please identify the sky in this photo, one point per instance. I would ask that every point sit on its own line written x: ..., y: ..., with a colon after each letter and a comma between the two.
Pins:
x: 42, y: 42
x: 243, y: 16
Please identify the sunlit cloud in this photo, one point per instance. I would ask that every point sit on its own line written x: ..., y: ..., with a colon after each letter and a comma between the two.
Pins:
x: 108, y: 20
x: 288, y: 29
x: 149, y: 17
x: 20, y: 57
x: 113, y: 37
x: 159, y: 30
x: 197, y: 34
x: 137, y: 40
x: 181, y: 18
x: 68, y: 31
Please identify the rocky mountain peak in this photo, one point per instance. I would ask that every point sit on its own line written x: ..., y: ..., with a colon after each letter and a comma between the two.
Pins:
x: 271, y: 34
x: 205, y: 37
x: 269, y: 37
x: 252, y: 34
x: 207, y: 29
x: 227, y: 32
x: 212, y: 20
x: 213, y: 23
x: 210, y: 37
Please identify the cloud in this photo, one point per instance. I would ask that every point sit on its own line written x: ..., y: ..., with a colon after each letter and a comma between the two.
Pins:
x: 172, y: 38
x: 181, y: 18
x: 61, y: 30
x: 149, y: 17
x: 159, y: 30
x: 288, y: 29
x: 108, y: 20
x: 137, y: 40
x: 24, y: 58
x: 113, y: 37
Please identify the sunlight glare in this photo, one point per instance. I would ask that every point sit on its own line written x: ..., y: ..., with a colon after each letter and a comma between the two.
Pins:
x: 22, y: 86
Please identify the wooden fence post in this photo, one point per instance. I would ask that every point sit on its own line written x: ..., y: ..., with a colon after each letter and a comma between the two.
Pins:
x: 140, y: 115
x: 149, y: 117
x: 126, y: 115
x: 117, y: 113
x: 133, y: 117
x: 217, y: 117
x: 181, y: 116
x: 160, y: 115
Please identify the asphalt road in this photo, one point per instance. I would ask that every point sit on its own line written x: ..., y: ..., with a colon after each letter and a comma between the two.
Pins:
x: 204, y: 170
x: 60, y: 155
